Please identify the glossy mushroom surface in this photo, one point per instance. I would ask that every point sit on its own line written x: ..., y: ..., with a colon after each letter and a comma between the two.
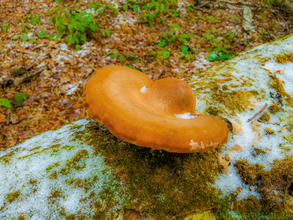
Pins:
x: 114, y: 98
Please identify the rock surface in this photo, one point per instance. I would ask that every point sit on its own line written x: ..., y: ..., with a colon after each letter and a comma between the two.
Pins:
x: 81, y: 171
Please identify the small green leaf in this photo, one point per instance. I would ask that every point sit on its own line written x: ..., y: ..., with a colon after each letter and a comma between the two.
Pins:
x: 165, y: 54
x: 183, y: 40
x: 23, y: 36
x: 121, y: 57
x: 5, y: 102
x: 14, y: 37
x: 32, y: 40
x: 19, y: 97
x: 184, y: 49
x: 125, y: 7
x: 161, y: 43
x: 212, y: 57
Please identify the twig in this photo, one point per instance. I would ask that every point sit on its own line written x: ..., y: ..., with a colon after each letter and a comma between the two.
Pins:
x: 260, y: 111
x: 18, y: 80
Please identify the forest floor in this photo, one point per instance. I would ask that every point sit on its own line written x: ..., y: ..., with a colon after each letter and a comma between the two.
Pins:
x: 42, y: 77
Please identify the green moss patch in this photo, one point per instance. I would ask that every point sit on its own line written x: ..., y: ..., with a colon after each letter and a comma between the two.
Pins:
x: 274, y: 186
x: 163, y: 184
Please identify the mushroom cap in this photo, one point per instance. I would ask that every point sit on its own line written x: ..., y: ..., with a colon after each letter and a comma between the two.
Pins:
x: 148, y: 118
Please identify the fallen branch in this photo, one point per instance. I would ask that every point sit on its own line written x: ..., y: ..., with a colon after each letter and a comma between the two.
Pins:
x: 18, y: 80
x: 260, y: 111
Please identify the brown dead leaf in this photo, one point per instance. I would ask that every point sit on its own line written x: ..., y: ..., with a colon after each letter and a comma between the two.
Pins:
x: 236, y: 147
x: 2, y: 117
x: 223, y: 163
x: 237, y: 127
x: 77, y: 105
x: 197, y: 112
x: 281, y: 72
x: 13, y: 118
x: 239, y: 189
x: 268, y: 149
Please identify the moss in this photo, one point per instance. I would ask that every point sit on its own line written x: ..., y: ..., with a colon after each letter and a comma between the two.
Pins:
x: 215, y: 111
x: 284, y: 58
x: 67, y: 147
x: 262, y: 61
x: 70, y: 217
x: 265, y: 117
x: 52, y: 166
x: 225, y: 87
x: 274, y: 186
x: 54, y: 147
x: 10, y: 197
x: 77, y: 159
x: 236, y: 101
x: 258, y: 151
x: 75, y: 127
x: 32, y: 182
x: 249, y: 173
x: 289, y: 138
x: 281, y: 146
x: 53, y: 175
x: 6, y: 158
x: 35, y: 148
x: 159, y: 183
x: 269, y: 131
x: 277, y: 85
x: 55, y: 194
x: 274, y: 108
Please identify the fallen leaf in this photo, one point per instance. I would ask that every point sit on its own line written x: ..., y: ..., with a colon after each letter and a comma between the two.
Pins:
x: 77, y: 105
x: 2, y: 117
x: 236, y: 147
x: 268, y: 149
x: 239, y: 189
x: 237, y: 127
x: 281, y: 72
x: 223, y: 163
x: 197, y: 112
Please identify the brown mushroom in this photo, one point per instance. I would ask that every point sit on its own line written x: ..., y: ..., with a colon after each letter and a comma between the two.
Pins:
x: 115, y: 98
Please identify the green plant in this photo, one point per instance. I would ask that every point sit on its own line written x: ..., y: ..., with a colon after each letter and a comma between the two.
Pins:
x: 19, y: 97
x: 76, y: 27
x: 135, y: 7
x: 184, y: 52
x: 164, y: 54
x: 5, y: 27
x: 175, y: 33
x: 114, y: 55
x: 34, y: 19
x: 98, y: 7
x: 219, y: 56
x: 269, y: 2
x: 156, y: 10
x: 5, y: 102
